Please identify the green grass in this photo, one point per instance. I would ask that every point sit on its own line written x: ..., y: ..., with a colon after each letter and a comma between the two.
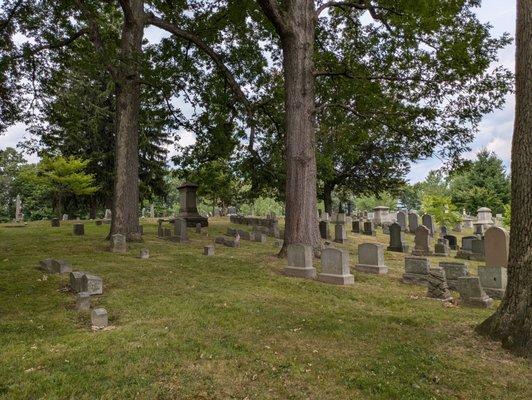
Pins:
x: 231, y: 326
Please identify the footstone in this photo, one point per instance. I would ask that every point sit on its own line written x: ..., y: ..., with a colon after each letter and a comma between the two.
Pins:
x: 335, y: 267
x: 92, y: 284
x: 118, y: 243
x: 60, y: 267
x: 79, y: 229
x: 324, y: 230
x: 56, y: 223
x: 422, y: 242
x: 397, y: 243
x: 437, y: 284
x: 339, y: 233
x: 371, y: 259
x: 471, y: 292
x: 416, y: 270
x: 76, y: 281
x: 83, y: 301
x: 453, y: 271
x: 144, y: 254
x: 493, y: 280
x: 300, y: 261
x: 99, y: 318
x: 208, y: 250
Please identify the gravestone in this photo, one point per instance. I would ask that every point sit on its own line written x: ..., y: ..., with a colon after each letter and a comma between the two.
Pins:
x: 443, y: 231
x: 386, y: 228
x: 451, y: 239
x: 416, y: 270
x: 493, y: 276
x: 453, y: 271
x: 92, y: 284
x: 208, y: 250
x: 300, y: 261
x: 60, y: 267
x: 152, y: 211
x: 56, y: 223
x: 465, y: 249
x: 180, y: 230
x: 46, y: 265
x: 188, y: 205
x: 340, y: 218
x: 144, y: 254
x: 18, y: 209
x: 83, y: 301
x: 258, y: 237
x: 65, y: 217
x: 228, y: 242
x: 355, y: 226
x: 441, y: 248
x: 324, y: 230
x: 76, y: 281
x: 99, y: 318
x: 335, y: 267
x: 371, y: 259
x: 437, y: 285
x: 118, y: 243
x: 339, y: 233
x: 79, y: 229
x: 428, y: 221
x: 369, y: 229
x: 108, y: 214
x: 380, y: 215
x: 413, y: 222
x: 458, y: 227
x: 477, y: 250
x: 471, y: 292
x: 397, y: 243
x: 422, y: 242
x: 402, y: 220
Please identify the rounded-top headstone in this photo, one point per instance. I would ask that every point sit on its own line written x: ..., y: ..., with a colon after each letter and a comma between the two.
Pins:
x: 496, y: 245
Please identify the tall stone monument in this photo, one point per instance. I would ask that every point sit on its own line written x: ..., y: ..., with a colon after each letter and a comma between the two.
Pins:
x: 189, y: 209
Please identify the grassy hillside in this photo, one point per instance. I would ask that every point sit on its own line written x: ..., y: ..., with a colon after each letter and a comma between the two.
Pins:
x: 186, y: 326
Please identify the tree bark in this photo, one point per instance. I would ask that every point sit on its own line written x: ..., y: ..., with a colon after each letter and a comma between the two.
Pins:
x: 327, y: 198
x: 295, y: 27
x: 126, y: 185
x: 93, y: 207
x: 512, y: 322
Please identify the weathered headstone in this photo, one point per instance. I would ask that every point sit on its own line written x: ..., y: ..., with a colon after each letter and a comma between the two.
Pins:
x: 493, y: 280
x: 79, y: 229
x: 118, y: 243
x: 371, y: 258
x: 441, y: 248
x: 453, y: 271
x: 144, y: 254
x: 437, y: 285
x: 83, y: 301
x: 339, y: 233
x: 458, y: 227
x: 422, y: 242
x: 180, y: 230
x: 416, y: 270
x: 198, y: 227
x: 428, y: 221
x: 493, y: 276
x: 56, y: 223
x: 477, y: 250
x: 471, y: 292
x: 443, y: 231
x: 300, y: 261
x: 324, y: 230
x: 92, y: 284
x: 355, y: 226
x: 466, y: 248
x: 258, y: 237
x: 208, y: 250
x: 46, y: 265
x: 397, y: 243
x: 76, y: 281
x: 60, y: 267
x: 99, y: 318
x: 335, y: 267
x: 451, y: 239
x: 369, y: 228
x: 401, y: 220
x: 413, y: 222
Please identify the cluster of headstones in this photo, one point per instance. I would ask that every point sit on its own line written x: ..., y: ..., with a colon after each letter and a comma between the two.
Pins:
x: 334, y: 263
x: 269, y: 226
x: 339, y: 220
x: 177, y: 232
x: 83, y: 285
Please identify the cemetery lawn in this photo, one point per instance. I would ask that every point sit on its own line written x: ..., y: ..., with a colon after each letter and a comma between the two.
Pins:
x: 186, y: 326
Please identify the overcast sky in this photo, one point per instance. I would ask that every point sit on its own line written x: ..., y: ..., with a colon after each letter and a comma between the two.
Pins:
x: 496, y: 128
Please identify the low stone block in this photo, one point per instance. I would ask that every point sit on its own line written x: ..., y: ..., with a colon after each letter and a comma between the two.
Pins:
x: 416, y: 270
x: 493, y: 280
x: 76, y: 281
x: 144, y: 254
x: 99, y: 318
x: 471, y: 292
x: 60, y: 267
x: 335, y: 267
x: 79, y: 229
x: 118, y: 243
x: 453, y: 271
x: 46, y: 265
x: 83, y: 301
x: 208, y: 250
x: 92, y: 284
x: 258, y: 237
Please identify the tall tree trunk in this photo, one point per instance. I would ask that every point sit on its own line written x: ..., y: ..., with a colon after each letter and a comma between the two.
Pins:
x: 301, y: 222
x: 93, y: 207
x: 126, y: 185
x: 327, y: 198
x: 512, y: 322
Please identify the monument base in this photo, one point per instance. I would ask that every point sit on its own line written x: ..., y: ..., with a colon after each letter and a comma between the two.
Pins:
x: 298, y: 272
x: 372, y: 269
x: 398, y: 249
x: 337, y: 279
x: 193, y: 220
